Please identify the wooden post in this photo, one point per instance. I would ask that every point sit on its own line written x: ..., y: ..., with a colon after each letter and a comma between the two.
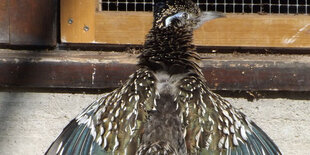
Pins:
x: 33, y: 22
x: 4, y: 22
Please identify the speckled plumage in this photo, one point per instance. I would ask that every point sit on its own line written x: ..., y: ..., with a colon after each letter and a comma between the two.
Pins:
x: 165, y: 107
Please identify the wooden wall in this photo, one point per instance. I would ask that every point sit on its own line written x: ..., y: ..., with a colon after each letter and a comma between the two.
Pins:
x: 236, y: 30
x: 4, y: 21
x: 33, y: 22
x: 28, y: 22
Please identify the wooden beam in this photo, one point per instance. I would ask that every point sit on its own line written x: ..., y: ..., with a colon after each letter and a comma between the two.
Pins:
x: 123, y: 28
x: 245, y: 30
x: 4, y: 22
x: 254, y: 30
x: 33, y: 22
x: 72, y: 69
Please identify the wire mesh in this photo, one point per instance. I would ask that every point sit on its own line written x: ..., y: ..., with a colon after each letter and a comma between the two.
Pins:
x: 226, y: 6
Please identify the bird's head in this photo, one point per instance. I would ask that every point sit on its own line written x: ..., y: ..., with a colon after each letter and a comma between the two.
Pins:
x: 180, y: 13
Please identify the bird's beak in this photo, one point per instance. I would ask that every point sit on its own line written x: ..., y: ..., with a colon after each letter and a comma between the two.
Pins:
x: 207, y: 16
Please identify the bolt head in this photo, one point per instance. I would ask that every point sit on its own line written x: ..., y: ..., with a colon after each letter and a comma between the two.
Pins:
x: 86, y: 28
x: 70, y: 21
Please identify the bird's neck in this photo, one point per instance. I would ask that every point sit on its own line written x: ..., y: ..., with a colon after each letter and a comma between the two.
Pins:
x: 164, y: 48
x: 169, y: 40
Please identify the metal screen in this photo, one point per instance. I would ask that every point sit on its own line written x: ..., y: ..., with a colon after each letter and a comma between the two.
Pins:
x: 226, y: 6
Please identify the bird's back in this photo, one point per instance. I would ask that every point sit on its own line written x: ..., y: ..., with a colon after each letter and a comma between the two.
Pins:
x: 163, y: 132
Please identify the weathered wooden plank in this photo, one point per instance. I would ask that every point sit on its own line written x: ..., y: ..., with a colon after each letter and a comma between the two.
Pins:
x: 77, y: 21
x: 33, y: 22
x: 256, y: 30
x: 237, y: 30
x: 4, y: 22
x: 123, y: 28
x: 61, y: 69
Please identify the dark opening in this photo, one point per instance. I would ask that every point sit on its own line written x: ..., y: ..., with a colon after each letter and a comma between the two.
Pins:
x: 227, y: 6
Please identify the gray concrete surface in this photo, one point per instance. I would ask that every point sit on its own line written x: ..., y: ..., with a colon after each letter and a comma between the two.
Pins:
x: 29, y: 122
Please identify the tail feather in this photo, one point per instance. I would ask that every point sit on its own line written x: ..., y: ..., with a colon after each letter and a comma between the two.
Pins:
x: 81, y: 139
x: 86, y: 146
x: 69, y: 147
x: 264, y: 141
x: 75, y: 139
x: 65, y: 136
x: 236, y: 151
x: 245, y: 149
x: 255, y: 145
x: 258, y: 143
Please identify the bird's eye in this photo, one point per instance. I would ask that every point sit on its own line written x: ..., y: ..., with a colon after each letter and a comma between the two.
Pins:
x: 185, y: 15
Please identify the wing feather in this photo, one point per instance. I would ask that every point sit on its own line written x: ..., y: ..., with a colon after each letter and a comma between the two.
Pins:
x: 111, y: 124
x: 225, y: 129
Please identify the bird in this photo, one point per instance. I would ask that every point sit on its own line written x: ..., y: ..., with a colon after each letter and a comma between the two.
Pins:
x: 165, y: 106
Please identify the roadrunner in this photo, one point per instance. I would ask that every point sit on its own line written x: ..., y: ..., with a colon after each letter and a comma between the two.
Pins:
x: 165, y: 107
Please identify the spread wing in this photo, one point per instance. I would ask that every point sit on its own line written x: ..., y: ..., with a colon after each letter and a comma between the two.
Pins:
x: 111, y: 124
x: 213, y: 126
